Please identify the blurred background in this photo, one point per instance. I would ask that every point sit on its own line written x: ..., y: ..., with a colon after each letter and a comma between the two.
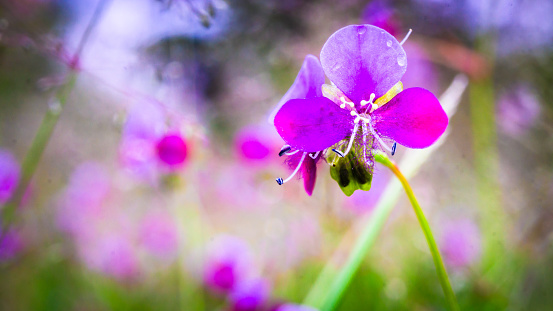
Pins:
x: 156, y: 188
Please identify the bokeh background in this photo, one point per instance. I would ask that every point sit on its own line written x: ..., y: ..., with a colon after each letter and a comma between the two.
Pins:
x: 156, y: 190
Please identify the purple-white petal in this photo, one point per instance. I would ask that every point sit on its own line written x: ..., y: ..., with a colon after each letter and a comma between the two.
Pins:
x: 414, y: 118
x: 308, y: 83
x: 314, y: 124
x: 363, y: 59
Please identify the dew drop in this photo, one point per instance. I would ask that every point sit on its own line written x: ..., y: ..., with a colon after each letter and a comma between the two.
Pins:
x: 389, y: 43
x: 401, y: 60
x: 361, y: 30
x: 54, y: 107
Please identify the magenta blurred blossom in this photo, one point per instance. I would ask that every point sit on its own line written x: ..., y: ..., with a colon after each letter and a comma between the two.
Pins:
x: 83, y: 199
x: 364, y: 62
x: 518, y: 110
x: 229, y: 263
x: 159, y: 234
x: 250, y: 295
x: 365, y: 201
x: 460, y: 242
x: 294, y: 307
x: 11, y: 244
x: 172, y: 150
x: 9, y: 175
x: 112, y: 254
x: 256, y: 144
x: 380, y: 13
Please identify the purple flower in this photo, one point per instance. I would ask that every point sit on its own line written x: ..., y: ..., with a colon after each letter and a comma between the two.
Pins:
x: 10, y: 244
x: 460, y: 243
x: 365, y: 105
x: 172, y: 150
x: 518, y: 109
x: 380, y: 13
x: 255, y: 143
x: 250, y: 295
x: 159, y: 234
x: 229, y: 263
x: 294, y: 307
x: 307, y: 85
x: 9, y: 175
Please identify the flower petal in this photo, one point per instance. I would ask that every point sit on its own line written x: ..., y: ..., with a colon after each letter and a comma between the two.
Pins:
x: 363, y: 59
x: 308, y: 83
x: 309, y: 173
x: 414, y: 118
x: 314, y: 124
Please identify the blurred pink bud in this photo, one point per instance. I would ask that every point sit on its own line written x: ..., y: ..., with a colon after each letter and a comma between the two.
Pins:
x: 10, y: 244
x: 229, y: 263
x: 9, y: 175
x: 250, y: 295
x: 460, y: 243
x: 172, y: 150
x: 112, y: 255
x: 159, y: 235
x: 257, y: 143
x: 518, y: 109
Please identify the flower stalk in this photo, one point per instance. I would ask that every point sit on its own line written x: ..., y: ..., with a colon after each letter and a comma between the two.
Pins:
x: 438, y: 262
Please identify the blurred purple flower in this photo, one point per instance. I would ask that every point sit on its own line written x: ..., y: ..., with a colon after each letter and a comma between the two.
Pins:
x: 172, y: 150
x: 112, y: 254
x: 294, y: 307
x: 255, y: 143
x: 365, y: 201
x: 10, y: 244
x: 9, y: 175
x: 250, y: 295
x: 308, y: 84
x: 460, y: 243
x: 380, y: 13
x: 82, y: 200
x: 229, y: 263
x: 365, y: 63
x: 518, y: 109
x: 159, y: 234
x: 421, y: 71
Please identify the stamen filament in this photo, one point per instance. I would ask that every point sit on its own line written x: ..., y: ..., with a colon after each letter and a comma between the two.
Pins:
x: 406, y: 36
x: 291, y: 153
x: 380, y: 141
x: 314, y: 156
x: 355, y: 128
x: 280, y: 181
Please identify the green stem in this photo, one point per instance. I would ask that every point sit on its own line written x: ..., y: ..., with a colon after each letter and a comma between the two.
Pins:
x: 365, y: 241
x: 38, y: 145
x: 438, y: 262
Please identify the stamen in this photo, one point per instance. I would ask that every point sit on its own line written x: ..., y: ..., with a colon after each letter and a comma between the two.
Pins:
x: 280, y: 181
x: 314, y: 156
x: 345, y: 102
x: 370, y: 101
x: 284, y: 149
x: 394, y: 148
x: 338, y: 152
x: 378, y: 137
x: 406, y: 36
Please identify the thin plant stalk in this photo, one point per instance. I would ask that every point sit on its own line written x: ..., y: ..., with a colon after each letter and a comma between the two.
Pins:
x: 49, y: 121
x: 438, y: 262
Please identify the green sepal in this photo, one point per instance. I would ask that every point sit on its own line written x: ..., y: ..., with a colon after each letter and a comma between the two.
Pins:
x: 350, y: 174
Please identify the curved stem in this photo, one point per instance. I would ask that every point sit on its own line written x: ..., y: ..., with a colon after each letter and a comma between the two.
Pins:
x: 438, y: 262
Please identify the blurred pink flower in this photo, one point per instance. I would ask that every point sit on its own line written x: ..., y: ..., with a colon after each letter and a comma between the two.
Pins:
x: 9, y: 175
x: 229, y: 263
x: 257, y: 144
x: 112, y: 254
x: 380, y: 13
x: 10, y: 244
x: 518, y: 109
x: 460, y: 243
x: 172, y: 150
x: 365, y: 201
x: 159, y: 234
x: 250, y: 295
x: 82, y: 200
x: 294, y: 307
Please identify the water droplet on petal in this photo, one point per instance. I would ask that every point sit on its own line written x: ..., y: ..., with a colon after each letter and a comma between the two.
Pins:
x: 389, y: 43
x: 401, y: 60
x: 361, y: 30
